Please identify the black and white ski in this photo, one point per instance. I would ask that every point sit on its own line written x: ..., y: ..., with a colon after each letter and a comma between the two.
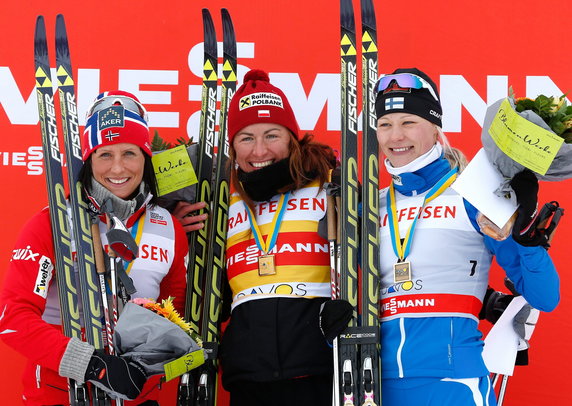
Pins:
x: 358, y: 346
x: 207, y: 246
x: 80, y: 229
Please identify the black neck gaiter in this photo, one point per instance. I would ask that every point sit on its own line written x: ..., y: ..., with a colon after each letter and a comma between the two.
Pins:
x: 262, y: 184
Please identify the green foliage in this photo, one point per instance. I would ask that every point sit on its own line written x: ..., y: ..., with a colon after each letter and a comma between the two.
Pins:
x: 554, y: 111
x: 159, y: 144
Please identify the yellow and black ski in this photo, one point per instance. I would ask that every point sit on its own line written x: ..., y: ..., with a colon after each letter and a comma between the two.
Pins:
x: 207, y: 246
x: 358, y: 346
x: 64, y: 228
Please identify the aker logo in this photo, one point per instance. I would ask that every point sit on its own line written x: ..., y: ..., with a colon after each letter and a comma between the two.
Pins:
x: 24, y: 254
x: 260, y: 99
x: 45, y: 272
x: 156, y: 218
x: 113, y: 116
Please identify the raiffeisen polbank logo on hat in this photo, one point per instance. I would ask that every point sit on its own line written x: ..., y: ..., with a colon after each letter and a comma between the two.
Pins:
x: 260, y: 99
x: 113, y: 116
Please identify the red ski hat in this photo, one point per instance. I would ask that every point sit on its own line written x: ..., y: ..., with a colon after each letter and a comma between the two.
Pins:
x: 257, y: 101
x: 115, y: 117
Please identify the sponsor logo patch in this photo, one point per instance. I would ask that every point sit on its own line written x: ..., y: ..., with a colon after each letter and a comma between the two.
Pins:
x: 45, y: 273
x: 24, y: 254
x: 158, y: 219
x: 260, y: 99
x: 113, y: 116
x: 434, y: 113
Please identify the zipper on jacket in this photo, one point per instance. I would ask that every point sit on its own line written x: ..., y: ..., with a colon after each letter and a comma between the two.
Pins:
x: 38, y: 376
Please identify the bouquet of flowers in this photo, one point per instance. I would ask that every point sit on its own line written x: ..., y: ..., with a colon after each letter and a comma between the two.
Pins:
x: 523, y: 133
x: 555, y: 112
x: 154, y: 334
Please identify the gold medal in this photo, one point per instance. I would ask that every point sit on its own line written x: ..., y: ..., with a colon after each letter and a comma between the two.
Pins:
x: 266, y: 265
x: 402, y: 271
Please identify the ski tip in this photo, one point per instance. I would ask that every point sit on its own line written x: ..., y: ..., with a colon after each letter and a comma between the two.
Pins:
x: 60, y: 21
x: 368, y: 14
x: 60, y: 26
x: 347, y: 15
x: 40, y: 22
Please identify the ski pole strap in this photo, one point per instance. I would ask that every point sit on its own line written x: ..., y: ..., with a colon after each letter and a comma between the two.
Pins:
x: 547, y: 220
x: 401, y: 249
x: 125, y: 280
x: 266, y: 245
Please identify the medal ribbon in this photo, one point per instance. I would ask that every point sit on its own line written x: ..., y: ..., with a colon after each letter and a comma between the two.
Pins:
x: 137, y: 233
x: 401, y: 249
x: 262, y: 244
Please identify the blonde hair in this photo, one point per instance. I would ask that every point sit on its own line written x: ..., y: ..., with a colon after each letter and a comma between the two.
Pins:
x: 455, y: 156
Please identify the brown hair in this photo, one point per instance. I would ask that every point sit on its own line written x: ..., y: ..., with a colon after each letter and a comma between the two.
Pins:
x: 309, y: 161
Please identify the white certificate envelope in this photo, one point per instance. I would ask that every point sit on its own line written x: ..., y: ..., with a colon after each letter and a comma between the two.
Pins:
x: 477, y: 184
x: 501, y: 344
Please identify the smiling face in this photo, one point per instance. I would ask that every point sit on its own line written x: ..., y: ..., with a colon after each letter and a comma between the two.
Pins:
x: 403, y: 137
x: 259, y: 145
x: 119, y: 168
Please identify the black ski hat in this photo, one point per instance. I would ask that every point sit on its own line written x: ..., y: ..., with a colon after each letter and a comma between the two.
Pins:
x: 402, y: 97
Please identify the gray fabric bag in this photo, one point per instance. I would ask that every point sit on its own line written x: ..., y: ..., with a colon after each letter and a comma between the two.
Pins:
x: 560, y: 169
x: 150, y: 339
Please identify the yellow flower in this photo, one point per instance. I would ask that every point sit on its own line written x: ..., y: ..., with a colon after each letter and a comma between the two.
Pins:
x: 167, y: 310
x: 557, y: 105
x: 174, y: 316
x: 519, y: 99
x: 156, y: 307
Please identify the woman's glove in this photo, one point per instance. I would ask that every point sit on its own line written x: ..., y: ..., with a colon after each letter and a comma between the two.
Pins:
x: 495, y: 303
x: 334, y: 317
x: 525, y: 186
x: 524, y: 323
x: 115, y: 375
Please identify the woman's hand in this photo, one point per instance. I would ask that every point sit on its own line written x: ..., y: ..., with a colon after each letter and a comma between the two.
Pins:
x: 186, y: 214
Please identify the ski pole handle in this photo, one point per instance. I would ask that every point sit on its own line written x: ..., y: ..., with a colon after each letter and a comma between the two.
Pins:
x: 101, y: 271
x: 331, y: 218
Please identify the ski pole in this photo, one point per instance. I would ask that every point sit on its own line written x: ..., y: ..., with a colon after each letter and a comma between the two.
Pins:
x: 502, y: 390
x: 101, y: 271
x: 332, y: 240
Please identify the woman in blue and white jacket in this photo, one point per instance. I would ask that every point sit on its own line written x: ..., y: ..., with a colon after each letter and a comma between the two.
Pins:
x: 435, y: 260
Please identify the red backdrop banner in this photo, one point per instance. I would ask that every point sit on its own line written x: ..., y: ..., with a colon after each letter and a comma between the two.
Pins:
x: 473, y: 50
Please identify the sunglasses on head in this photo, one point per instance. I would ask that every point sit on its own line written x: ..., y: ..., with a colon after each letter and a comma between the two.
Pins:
x: 116, y: 100
x: 405, y: 80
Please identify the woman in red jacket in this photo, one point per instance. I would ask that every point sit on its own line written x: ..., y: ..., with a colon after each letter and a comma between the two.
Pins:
x: 117, y: 167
